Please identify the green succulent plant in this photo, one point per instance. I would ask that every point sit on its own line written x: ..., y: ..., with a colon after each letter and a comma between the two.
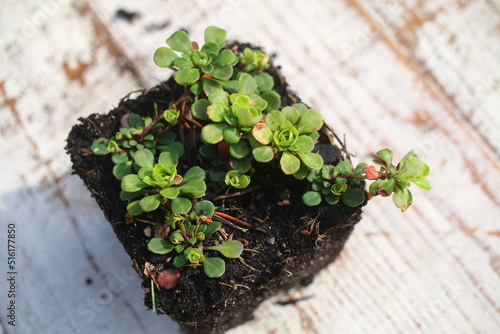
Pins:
x: 230, y: 98
x: 292, y: 133
x: 187, y: 240
x: 160, y: 182
x: 210, y: 63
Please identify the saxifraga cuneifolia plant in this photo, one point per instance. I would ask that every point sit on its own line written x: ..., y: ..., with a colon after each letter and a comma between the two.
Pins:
x: 231, y: 98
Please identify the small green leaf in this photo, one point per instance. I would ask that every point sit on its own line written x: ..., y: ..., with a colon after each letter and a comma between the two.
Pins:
x: 385, y: 155
x: 120, y: 158
x: 262, y: 133
x: 225, y: 57
x: 273, y: 100
x: 214, y: 267
x: 231, y: 135
x: 160, y: 246
x: 265, y: 82
x: 144, y: 158
x: 311, y: 160
x: 303, y: 144
x: 402, y: 198
x: 241, y: 165
x: 223, y: 73
x: 311, y: 198
x: 353, y: 197
x: 179, y: 41
x: 230, y: 249
x: 263, y: 153
x: 150, y: 203
x: 126, y: 196
x: 209, y: 151
x: 291, y: 114
x: 199, y: 109
x: 209, y: 85
x: 215, y: 35
x: 193, y: 173
x: 164, y: 57
x: 310, y: 121
x: 187, y: 76
x: 131, y: 183
x: 246, y: 84
x: 181, y: 205
x: 274, y: 119
x: 332, y: 199
x: 180, y: 260
x: 195, y: 188
x: 423, y: 184
x: 205, y: 208
x: 236, y: 179
x: 216, y: 112
x: 213, y: 133
x: 212, y: 228
x: 170, y: 192
x: 134, y: 208
x: 99, y: 146
x: 289, y: 163
x: 239, y: 150
x: 301, y: 173
x: 120, y: 170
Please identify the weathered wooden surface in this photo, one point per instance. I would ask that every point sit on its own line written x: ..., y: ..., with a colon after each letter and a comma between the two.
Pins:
x: 398, y: 74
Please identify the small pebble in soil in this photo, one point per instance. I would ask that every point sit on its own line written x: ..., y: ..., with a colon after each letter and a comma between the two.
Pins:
x: 169, y: 278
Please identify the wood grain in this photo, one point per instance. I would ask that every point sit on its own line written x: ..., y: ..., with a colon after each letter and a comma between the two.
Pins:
x: 398, y: 74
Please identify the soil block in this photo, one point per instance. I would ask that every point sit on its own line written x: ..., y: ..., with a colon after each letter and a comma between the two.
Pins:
x: 289, y: 244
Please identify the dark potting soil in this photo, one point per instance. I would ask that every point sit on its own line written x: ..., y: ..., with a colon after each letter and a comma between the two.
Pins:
x: 290, y: 244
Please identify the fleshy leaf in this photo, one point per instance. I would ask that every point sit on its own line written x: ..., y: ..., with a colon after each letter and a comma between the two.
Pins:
x: 273, y: 100
x: 179, y: 41
x: 214, y: 267
x: 194, y: 173
x: 199, y: 109
x: 246, y: 84
x: 310, y: 121
x: 215, y: 35
x: 204, y: 208
x: 120, y: 170
x: 402, y: 198
x: 181, y: 205
x: 195, y: 188
x: 131, y: 183
x: 303, y: 144
x: 265, y: 82
x: 262, y: 133
x: 213, y: 133
x: 239, y: 150
x: 212, y: 228
x: 150, y: 203
x: 99, y: 146
x: 311, y: 198
x: 311, y: 160
x: 187, y: 76
x: 353, y: 197
x: 223, y: 73
x: 230, y: 249
x: 274, y: 119
x: 144, y: 158
x: 164, y: 57
x: 241, y: 165
x: 231, y: 135
x: 134, y: 208
x: 170, y: 192
x: 160, y: 246
x: 263, y: 153
x: 289, y: 163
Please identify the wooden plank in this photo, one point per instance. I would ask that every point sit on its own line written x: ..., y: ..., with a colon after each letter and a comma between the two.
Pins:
x: 387, y: 74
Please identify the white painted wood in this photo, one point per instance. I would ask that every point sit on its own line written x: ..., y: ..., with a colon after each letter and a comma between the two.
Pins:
x: 398, y: 74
